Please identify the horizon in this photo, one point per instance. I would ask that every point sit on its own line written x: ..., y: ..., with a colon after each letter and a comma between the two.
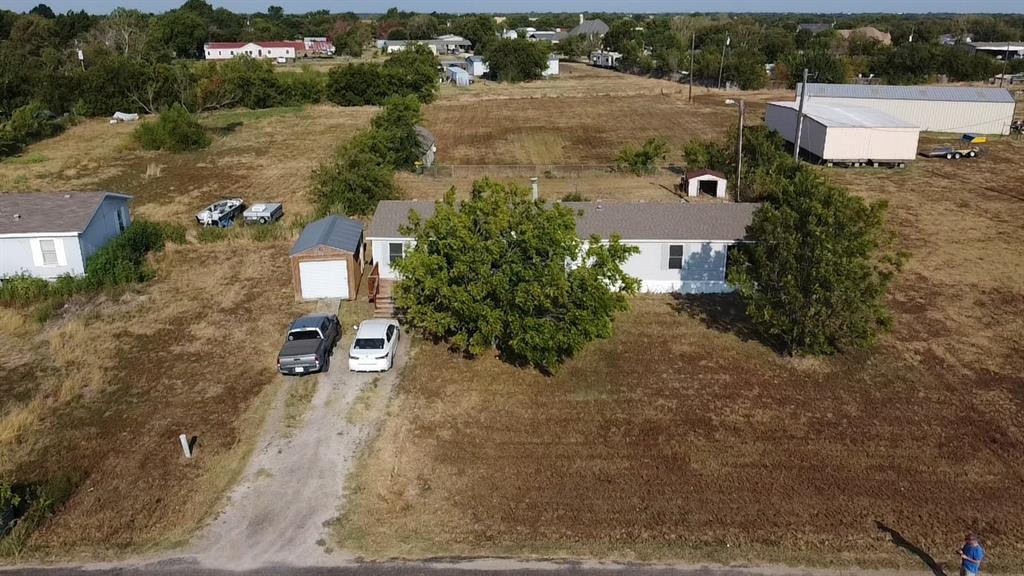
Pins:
x: 825, y: 7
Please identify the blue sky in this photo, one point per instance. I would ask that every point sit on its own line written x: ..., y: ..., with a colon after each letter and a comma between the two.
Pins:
x: 103, y: 6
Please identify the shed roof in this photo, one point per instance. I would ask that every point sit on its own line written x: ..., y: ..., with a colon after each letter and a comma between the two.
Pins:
x: 589, y: 28
x: 846, y: 116
x: 927, y: 93
x: 334, y: 231
x: 50, y: 212
x: 630, y: 220
x: 704, y: 172
x: 1006, y: 46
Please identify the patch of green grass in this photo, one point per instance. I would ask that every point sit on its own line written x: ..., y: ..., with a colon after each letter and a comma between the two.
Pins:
x: 221, y: 120
x: 300, y: 394
x: 33, y: 158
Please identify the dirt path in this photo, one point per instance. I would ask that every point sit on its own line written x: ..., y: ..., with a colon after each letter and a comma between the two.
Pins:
x: 293, y: 484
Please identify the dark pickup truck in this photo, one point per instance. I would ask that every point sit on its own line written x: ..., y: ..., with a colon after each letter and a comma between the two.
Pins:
x: 308, y: 347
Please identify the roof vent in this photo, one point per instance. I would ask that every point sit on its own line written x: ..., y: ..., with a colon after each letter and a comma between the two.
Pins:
x: 17, y: 216
x: 599, y: 206
x: 67, y: 195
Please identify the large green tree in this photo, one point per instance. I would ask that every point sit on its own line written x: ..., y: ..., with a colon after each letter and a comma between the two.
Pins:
x: 814, y: 277
x: 501, y: 271
x: 517, y: 60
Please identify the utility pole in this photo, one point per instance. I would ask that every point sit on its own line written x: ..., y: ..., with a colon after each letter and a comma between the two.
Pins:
x: 1006, y: 60
x: 693, y: 45
x: 739, y: 153
x: 800, y: 119
x: 721, y: 65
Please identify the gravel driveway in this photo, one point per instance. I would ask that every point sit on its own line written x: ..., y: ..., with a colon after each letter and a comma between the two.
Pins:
x: 293, y: 484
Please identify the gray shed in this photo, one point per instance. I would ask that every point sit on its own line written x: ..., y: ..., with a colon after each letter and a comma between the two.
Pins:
x: 327, y: 259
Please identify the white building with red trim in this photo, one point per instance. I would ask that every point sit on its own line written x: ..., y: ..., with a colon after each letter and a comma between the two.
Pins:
x: 288, y: 50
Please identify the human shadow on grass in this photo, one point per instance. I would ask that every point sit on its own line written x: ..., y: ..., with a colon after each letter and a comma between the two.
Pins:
x: 914, y: 549
x: 722, y: 313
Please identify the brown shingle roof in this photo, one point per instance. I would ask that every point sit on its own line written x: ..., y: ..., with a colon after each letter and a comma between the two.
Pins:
x: 630, y: 220
x: 49, y: 212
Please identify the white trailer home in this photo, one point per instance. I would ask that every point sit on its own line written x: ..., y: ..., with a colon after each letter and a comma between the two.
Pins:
x: 953, y: 109
x: 259, y: 50
x: 683, y: 246
x: 845, y: 134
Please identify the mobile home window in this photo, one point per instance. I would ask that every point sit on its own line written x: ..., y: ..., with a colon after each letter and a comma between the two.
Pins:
x: 48, y: 249
x: 395, y: 252
x: 675, y: 257
x: 121, y: 224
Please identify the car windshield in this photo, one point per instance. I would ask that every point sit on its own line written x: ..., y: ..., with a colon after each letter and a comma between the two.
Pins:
x: 369, y: 343
x: 307, y: 334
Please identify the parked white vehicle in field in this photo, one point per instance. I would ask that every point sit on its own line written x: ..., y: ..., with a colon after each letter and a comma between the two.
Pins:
x: 375, y: 346
x: 220, y: 213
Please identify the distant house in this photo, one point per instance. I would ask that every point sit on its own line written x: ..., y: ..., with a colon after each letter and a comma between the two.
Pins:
x: 457, y: 75
x: 1000, y: 50
x: 327, y: 259
x: 477, y: 66
x: 870, y: 32
x: 552, y: 36
x: 447, y: 44
x: 589, y: 28
x: 509, y: 34
x: 605, y: 59
x: 683, y: 246
x: 47, y: 235
x: 318, y: 46
x: 814, y: 27
x: 953, y: 39
x: 288, y: 50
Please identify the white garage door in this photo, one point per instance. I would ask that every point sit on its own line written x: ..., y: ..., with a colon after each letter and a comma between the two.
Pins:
x: 324, y: 279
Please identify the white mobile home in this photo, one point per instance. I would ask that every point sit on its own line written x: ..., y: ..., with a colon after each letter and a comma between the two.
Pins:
x: 258, y: 50
x: 953, y: 109
x: 683, y: 246
x: 845, y: 134
x: 48, y: 235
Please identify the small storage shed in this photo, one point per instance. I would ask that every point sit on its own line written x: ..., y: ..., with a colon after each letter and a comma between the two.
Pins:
x: 477, y: 65
x: 327, y: 259
x: 552, y: 69
x: 845, y: 133
x: 705, y: 181
x: 458, y: 76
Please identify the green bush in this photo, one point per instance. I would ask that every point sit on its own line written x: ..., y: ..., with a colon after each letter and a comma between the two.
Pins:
x: 305, y: 87
x: 176, y: 130
x: 410, y: 72
x: 517, y: 60
x: 211, y: 234
x: 28, y: 124
x: 31, y: 505
x: 9, y: 502
x: 353, y: 183
x: 642, y: 161
x: 23, y: 289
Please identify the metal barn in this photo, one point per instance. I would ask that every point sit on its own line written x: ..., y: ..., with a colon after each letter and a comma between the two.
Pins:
x: 845, y: 134
x: 954, y: 109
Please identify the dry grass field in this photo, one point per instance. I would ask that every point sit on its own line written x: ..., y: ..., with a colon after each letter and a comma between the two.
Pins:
x: 685, y: 438
x: 102, y: 390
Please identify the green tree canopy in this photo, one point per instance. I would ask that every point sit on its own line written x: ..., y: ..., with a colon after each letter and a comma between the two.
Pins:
x: 500, y: 271
x: 814, y: 279
x: 517, y: 60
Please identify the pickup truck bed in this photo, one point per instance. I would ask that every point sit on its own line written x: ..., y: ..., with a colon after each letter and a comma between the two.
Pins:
x: 306, y: 355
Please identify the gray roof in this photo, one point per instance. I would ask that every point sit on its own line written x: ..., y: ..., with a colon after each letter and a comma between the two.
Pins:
x: 589, y: 28
x: 548, y: 35
x: 424, y: 137
x: 50, y: 212
x: 846, y: 115
x: 334, y: 231
x: 1007, y: 46
x: 928, y: 93
x: 630, y: 220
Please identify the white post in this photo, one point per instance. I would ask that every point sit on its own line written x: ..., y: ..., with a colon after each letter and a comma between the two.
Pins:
x: 184, y: 446
x: 535, y: 188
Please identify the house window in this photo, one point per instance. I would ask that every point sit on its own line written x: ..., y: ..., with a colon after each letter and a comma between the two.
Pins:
x: 48, y: 251
x: 121, y: 224
x: 675, y: 257
x: 395, y: 252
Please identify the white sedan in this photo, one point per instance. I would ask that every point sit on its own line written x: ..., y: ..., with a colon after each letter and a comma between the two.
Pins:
x: 375, y: 346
